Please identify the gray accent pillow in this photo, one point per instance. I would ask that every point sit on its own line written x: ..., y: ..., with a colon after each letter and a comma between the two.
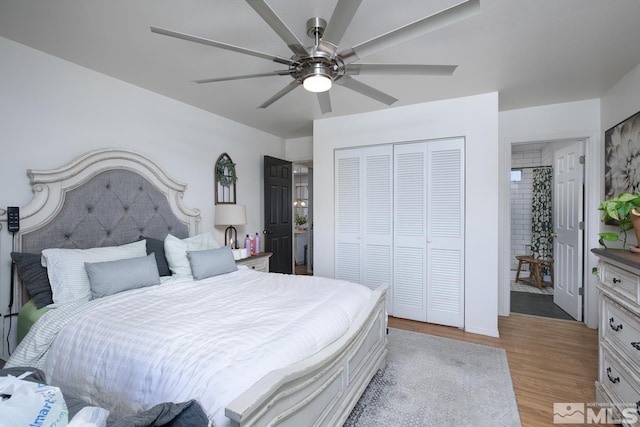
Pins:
x: 110, y: 277
x: 34, y: 277
x: 156, y: 247
x: 211, y: 262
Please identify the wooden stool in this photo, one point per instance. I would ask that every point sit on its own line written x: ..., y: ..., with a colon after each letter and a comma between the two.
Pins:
x: 535, y: 278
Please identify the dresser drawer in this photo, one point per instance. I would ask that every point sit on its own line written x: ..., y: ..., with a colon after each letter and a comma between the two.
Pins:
x: 622, y: 387
x: 621, y: 329
x: 621, y: 281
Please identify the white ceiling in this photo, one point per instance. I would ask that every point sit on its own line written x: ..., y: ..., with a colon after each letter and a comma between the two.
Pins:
x: 533, y: 52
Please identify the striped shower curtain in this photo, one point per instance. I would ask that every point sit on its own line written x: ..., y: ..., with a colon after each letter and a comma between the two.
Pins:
x: 541, y: 221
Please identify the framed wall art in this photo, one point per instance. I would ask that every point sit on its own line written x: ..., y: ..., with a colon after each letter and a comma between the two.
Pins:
x: 622, y: 157
x: 225, y: 180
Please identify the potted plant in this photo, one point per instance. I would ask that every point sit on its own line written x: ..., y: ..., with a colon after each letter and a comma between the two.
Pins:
x: 299, y: 220
x: 624, y: 210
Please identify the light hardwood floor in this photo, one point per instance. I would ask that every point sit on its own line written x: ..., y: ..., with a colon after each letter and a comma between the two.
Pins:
x: 550, y: 360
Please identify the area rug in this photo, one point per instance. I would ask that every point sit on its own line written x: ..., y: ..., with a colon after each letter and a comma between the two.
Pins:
x: 433, y: 381
x: 522, y: 287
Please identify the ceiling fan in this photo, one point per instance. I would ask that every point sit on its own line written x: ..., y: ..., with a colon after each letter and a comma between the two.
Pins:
x: 317, y: 67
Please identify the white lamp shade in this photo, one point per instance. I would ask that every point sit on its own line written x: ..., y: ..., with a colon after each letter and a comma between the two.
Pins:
x: 231, y: 214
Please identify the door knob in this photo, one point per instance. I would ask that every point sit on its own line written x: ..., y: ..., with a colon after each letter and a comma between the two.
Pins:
x: 554, y: 234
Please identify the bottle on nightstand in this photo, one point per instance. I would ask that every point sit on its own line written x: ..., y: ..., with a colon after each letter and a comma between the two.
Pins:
x: 257, y: 243
x: 247, y: 245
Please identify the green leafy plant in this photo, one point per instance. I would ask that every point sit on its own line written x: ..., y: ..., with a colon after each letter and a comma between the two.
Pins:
x: 226, y: 172
x: 618, y: 210
x: 299, y: 220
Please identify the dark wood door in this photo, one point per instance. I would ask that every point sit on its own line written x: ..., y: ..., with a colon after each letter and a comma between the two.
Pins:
x: 278, y: 210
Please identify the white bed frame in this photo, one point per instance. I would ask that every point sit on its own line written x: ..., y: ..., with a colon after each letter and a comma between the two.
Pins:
x: 318, y: 391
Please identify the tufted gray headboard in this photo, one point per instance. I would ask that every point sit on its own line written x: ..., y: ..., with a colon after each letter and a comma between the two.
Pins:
x: 103, y: 198
x: 113, y: 208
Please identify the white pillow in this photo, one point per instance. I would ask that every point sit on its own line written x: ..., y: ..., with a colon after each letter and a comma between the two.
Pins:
x: 175, y: 250
x: 67, y: 274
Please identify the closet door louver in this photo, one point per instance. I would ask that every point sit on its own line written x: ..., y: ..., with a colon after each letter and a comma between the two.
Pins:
x: 364, y: 223
x: 445, y: 232
x: 428, y: 238
x: 378, y: 218
x: 400, y: 220
x: 409, y: 242
x: 348, y: 214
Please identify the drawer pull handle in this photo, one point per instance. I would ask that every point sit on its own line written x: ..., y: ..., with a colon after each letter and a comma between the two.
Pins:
x: 613, y: 380
x: 616, y: 327
x: 638, y: 407
x: 636, y: 345
x: 616, y: 280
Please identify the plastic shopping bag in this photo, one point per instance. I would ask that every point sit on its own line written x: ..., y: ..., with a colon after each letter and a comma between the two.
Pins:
x: 90, y: 416
x: 25, y: 403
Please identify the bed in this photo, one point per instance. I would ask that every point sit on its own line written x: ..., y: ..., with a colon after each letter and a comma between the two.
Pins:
x: 253, y: 348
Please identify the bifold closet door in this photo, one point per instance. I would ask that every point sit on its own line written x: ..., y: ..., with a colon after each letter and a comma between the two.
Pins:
x: 364, y: 215
x: 428, y: 236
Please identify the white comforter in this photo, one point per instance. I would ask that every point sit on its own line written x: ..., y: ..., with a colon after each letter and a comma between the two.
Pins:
x: 209, y: 340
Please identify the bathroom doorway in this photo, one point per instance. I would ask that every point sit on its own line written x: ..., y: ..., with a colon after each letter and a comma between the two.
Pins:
x: 538, y: 223
x: 303, y: 217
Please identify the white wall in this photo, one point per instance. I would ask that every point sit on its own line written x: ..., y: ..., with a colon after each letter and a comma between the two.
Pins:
x: 476, y: 119
x: 299, y: 149
x: 621, y: 101
x: 52, y: 111
x: 572, y: 120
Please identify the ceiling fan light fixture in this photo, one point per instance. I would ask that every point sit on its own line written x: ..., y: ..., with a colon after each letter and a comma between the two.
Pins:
x: 317, y: 83
x: 317, y: 78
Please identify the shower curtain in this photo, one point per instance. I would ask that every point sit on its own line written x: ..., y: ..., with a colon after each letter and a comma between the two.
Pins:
x: 541, y: 221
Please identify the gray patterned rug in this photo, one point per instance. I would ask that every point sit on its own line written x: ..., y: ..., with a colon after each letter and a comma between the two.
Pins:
x: 433, y: 381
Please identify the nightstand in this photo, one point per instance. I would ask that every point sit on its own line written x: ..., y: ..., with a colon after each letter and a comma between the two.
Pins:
x: 258, y: 262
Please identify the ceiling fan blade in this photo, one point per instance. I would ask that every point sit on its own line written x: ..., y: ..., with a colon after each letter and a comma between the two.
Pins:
x: 404, y: 69
x: 338, y: 23
x: 365, y: 90
x: 325, y: 102
x: 221, y: 45
x: 422, y: 26
x: 246, y: 76
x: 274, y: 21
x: 288, y: 88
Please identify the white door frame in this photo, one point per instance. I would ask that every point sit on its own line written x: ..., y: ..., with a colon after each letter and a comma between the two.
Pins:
x: 593, y: 195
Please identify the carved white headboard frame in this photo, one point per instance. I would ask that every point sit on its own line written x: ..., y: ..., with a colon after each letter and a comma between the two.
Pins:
x: 51, y: 187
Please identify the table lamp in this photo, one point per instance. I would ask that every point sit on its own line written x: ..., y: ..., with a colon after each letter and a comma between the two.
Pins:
x: 230, y: 215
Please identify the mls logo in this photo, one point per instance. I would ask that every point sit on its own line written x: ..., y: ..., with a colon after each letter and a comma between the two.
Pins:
x: 568, y: 413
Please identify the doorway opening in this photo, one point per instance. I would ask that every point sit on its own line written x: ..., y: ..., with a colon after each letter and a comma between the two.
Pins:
x: 303, y: 218
x: 538, y: 214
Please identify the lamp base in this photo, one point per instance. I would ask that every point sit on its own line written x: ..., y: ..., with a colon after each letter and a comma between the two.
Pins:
x: 231, y: 237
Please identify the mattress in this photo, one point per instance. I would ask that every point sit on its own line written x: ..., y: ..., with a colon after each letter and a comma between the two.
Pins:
x: 209, y: 340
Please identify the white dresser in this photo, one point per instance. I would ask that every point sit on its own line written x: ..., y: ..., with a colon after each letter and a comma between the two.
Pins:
x: 258, y: 262
x: 619, y: 332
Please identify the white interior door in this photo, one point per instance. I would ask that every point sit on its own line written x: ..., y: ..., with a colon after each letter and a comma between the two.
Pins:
x: 410, y: 234
x: 428, y: 242
x: 568, y: 236
x: 348, y: 219
x: 445, y: 232
x: 364, y: 221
